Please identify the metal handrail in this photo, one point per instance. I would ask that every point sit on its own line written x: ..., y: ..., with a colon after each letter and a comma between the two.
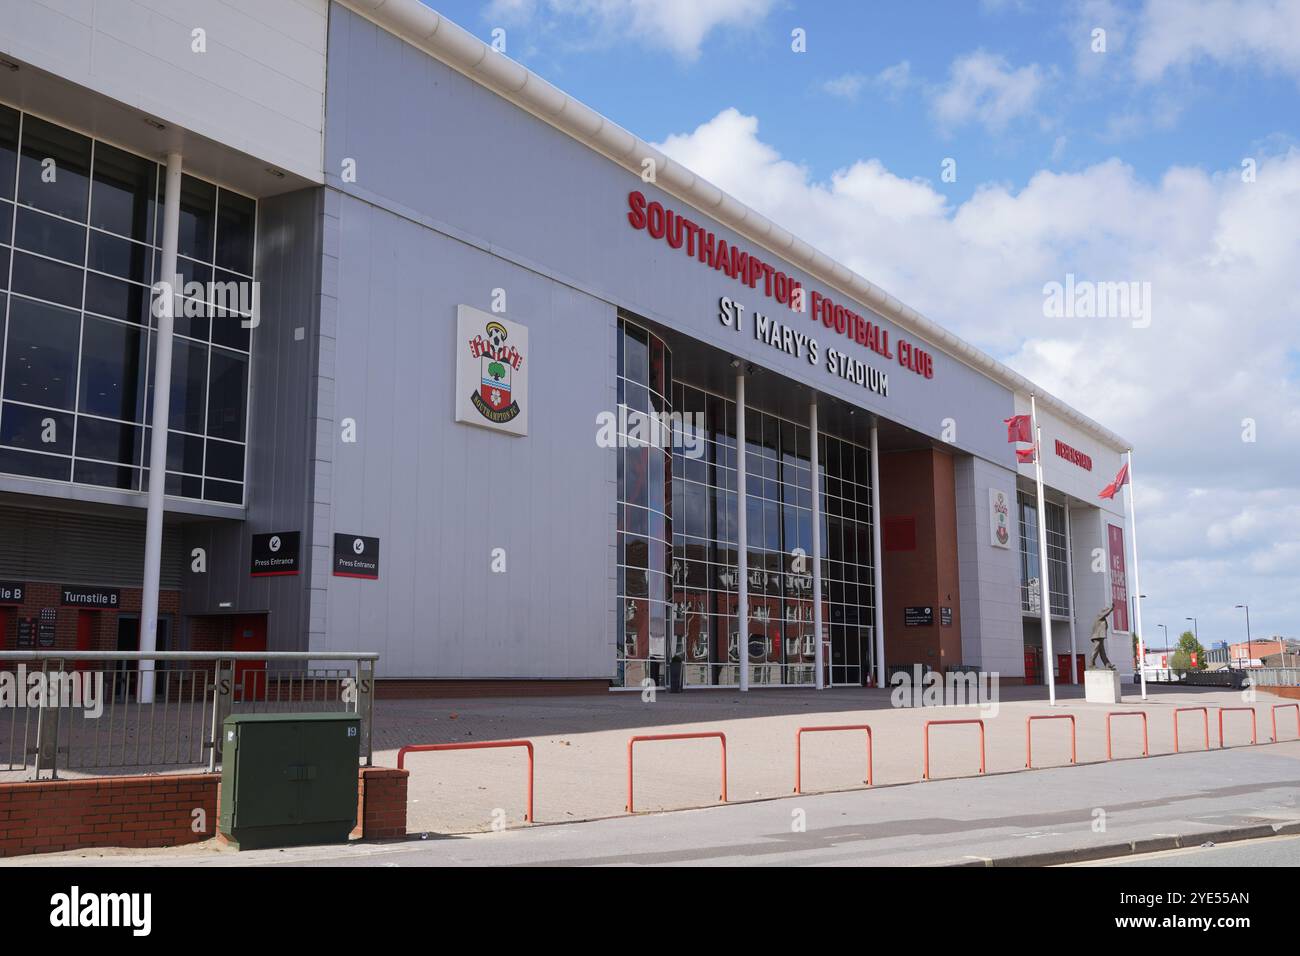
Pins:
x: 929, y: 723
x: 1205, y: 715
x: 798, y: 749
x: 1254, y: 736
x: 700, y: 736
x: 1146, y: 744
x: 477, y: 745
x: 1029, y: 739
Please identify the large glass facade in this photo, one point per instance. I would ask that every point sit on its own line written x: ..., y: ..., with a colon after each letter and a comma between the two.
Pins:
x: 80, y: 231
x: 1057, y: 568
x: 701, y: 520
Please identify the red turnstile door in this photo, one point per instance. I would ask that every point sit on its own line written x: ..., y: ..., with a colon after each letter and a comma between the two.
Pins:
x: 1080, y: 662
x: 86, y: 635
x: 250, y: 676
x: 1031, y: 666
x: 1064, y: 672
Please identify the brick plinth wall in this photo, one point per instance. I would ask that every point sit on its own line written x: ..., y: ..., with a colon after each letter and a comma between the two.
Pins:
x: 43, y: 816
x: 381, y: 803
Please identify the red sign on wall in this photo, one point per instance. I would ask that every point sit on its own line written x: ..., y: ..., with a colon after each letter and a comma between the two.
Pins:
x: 1118, y: 579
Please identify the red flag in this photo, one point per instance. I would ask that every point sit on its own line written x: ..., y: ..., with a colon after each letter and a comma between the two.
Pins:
x: 1111, y: 490
x: 1018, y: 428
x: 1025, y: 456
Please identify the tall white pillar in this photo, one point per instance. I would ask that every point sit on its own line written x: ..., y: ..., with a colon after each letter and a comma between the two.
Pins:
x: 742, y: 537
x: 1069, y: 586
x: 877, y: 575
x: 819, y: 654
x: 166, y: 292
x: 1044, y: 582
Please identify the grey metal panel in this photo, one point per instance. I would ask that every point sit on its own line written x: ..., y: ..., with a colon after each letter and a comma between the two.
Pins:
x: 434, y: 145
x: 991, y: 631
x: 70, y: 547
x: 441, y: 495
x: 280, y: 445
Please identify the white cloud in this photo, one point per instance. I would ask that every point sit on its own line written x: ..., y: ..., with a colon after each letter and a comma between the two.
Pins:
x: 983, y: 87
x: 680, y: 26
x: 891, y: 81
x: 1218, y: 521
x: 1176, y: 33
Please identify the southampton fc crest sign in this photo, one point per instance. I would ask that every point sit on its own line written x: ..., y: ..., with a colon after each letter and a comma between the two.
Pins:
x: 491, y: 371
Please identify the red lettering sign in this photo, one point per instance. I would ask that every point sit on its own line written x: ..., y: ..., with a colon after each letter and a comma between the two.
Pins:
x: 1073, y: 455
x: 1118, y: 579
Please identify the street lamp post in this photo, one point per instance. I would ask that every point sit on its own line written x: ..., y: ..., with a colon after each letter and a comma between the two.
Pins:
x: 1249, y: 652
x: 1165, y: 628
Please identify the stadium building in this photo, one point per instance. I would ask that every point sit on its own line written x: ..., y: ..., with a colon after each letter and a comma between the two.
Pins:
x: 467, y: 374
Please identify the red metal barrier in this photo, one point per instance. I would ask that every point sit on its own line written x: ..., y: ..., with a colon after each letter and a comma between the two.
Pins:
x: 798, y: 750
x: 929, y: 723
x: 714, y: 733
x: 1276, y: 708
x: 481, y: 745
x: 1222, y: 710
x: 1205, y: 714
x: 1029, y: 722
x: 1146, y: 749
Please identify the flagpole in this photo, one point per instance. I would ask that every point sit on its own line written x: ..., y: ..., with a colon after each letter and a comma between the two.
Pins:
x: 1044, y: 586
x: 1137, y: 585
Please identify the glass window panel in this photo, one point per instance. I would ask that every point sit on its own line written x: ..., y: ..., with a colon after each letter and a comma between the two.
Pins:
x: 636, y: 356
x: 184, y: 452
x: 46, y: 279
x: 124, y: 193
x: 109, y: 476
x: 112, y: 369
x: 232, y: 299
x: 36, y: 428
x: 120, y: 257
x: 225, y: 460
x: 31, y: 465
x: 9, y: 120
x: 236, y: 217
x: 4, y: 267
x: 188, y: 388
x: 228, y: 492
x: 228, y: 395
x: 183, y: 486
x: 62, y: 186
x: 116, y: 298
x: 6, y: 222
x: 108, y: 441
x: 41, y: 359
x: 198, y: 214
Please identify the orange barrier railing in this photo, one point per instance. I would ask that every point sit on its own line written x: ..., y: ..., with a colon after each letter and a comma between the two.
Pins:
x: 1223, y: 710
x: 715, y: 733
x: 482, y: 745
x: 1146, y: 749
x: 1205, y: 714
x: 798, y: 750
x: 934, y: 723
x: 1276, y: 708
x: 1029, y: 739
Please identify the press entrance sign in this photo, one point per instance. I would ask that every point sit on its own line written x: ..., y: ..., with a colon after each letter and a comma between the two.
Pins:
x: 356, y: 556
x: 274, y: 554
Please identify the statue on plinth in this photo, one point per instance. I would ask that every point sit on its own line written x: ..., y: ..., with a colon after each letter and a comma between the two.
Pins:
x: 1100, y: 628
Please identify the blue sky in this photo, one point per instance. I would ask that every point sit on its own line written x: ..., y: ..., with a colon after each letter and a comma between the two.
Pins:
x: 1123, y: 165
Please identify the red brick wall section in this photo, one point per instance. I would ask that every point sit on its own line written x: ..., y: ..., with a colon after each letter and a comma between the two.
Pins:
x: 381, y: 803
x: 48, y: 815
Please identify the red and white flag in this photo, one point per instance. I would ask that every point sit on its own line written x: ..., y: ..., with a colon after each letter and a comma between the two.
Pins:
x: 1121, y: 479
x: 1018, y: 428
x: 1025, y: 456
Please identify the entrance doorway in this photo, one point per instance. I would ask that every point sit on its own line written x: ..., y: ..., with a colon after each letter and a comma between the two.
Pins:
x: 250, y: 676
x: 87, y: 625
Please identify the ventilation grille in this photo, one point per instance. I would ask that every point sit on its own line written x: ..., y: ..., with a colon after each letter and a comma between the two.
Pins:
x: 68, y: 548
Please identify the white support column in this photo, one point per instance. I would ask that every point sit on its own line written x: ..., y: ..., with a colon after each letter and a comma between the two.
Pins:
x: 819, y: 654
x: 1044, y: 582
x: 742, y: 537
x: 1137, y: 584
x: 1069, y: 585
x: 164, y: 306
x: 878, y: 587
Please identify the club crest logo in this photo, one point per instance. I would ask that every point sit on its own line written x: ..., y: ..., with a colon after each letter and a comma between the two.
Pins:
x: 491, y: 374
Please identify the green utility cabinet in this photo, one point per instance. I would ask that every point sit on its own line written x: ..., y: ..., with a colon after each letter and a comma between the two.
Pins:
x: 289, y: 779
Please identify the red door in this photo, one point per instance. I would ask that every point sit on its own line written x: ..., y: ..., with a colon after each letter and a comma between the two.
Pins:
x: 250, y: 676
x: 1031, y: 666
x: 86, y: 621
x: 1079, y: 664
x: 1064, y: 673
